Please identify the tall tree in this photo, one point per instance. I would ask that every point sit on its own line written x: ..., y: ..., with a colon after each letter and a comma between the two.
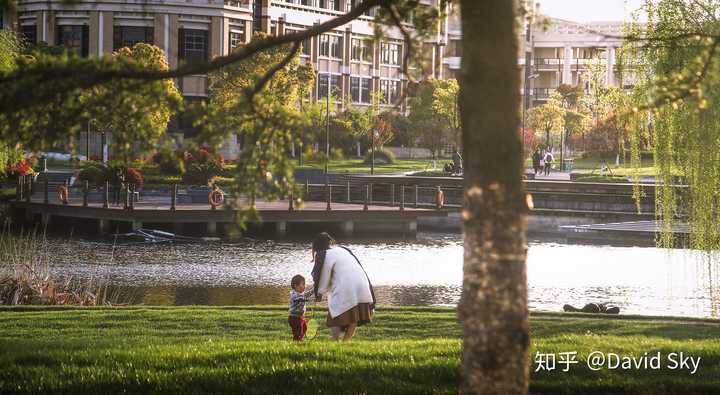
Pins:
x: 136, y: 113
x: 265, y: 113
x: 433, y: 132
x: 493, y: 306
x: 548, y: 118
x: 445, y: 105
x: 10, y: 48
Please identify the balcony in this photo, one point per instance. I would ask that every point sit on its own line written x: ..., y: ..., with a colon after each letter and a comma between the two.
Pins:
x: 548, y: 63
x: 542, y: 93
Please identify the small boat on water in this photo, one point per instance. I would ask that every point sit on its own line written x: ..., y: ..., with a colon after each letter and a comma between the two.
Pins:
x: 159, y: 236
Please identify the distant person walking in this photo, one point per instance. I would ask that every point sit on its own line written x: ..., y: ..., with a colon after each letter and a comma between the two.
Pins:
x: 548, y: 162
x: 536, y: 161
x: 118, y: 177
x: 457, y: 162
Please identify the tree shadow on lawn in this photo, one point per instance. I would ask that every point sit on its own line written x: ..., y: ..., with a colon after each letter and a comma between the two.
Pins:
x: 670, y: 330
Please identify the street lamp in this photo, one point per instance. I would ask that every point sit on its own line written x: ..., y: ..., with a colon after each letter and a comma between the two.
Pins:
x: 375, y: 135
x: 525, y: 103
x: 327, y: 128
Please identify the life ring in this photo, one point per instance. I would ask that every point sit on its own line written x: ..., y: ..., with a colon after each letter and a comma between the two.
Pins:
x: 62, y: 193
x: 216, y: 198
x: 439, y: 199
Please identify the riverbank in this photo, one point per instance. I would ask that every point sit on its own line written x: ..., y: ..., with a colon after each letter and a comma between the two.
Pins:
x: 246, y: 350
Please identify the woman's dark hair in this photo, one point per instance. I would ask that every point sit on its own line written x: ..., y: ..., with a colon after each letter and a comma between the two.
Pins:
x: 297, y: 279
x: 322, y: 242
x: 320, y: 245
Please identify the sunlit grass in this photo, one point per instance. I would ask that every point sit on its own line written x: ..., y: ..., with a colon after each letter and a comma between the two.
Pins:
x: 248, y: 350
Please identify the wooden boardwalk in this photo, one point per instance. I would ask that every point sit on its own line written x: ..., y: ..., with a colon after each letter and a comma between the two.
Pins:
x: 348, y: 218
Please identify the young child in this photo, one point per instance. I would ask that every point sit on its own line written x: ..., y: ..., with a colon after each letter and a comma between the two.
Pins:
x: 296, y: 313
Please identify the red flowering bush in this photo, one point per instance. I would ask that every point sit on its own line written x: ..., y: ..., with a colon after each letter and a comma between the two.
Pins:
x: 202, y: 166
x: 134, y: 176
x: 20, y: 168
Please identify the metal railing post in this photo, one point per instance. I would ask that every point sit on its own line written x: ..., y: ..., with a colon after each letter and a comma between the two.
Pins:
x: 46, y: 197
x: 173, y: 197
x: 371, y: 193
x: 402, y: 197
x: 106, y: 192
x: 392, y: 195
x: 20, y: 187
x: 131, y: 190
x: 348, y: 191
x: 291, y: 203
x: 417, y: 193
x: 367, y: 197
x: 328, y: 194
x: 86, y: 189
x: 29, y: 189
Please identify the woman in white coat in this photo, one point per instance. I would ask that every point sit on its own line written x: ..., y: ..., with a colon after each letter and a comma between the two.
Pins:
x: 338, y: 274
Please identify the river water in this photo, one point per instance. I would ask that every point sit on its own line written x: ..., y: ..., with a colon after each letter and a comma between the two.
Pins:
x: 425, y: 271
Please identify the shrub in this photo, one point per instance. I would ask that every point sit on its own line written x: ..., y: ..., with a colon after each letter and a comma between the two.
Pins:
x: 134, y: 176
x: 382, y: 156
x: 20, y: 168
x: 169, y: 164
x: 95, y: 173
x: 337, y: 154
x: 202, y: 166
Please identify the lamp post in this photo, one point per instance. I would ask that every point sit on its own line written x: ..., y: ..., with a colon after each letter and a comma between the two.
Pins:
x: 375, y: 135
x: 327, y: 128
x: 525, y: 103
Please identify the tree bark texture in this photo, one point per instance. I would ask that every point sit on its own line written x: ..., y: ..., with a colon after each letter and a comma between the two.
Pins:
x: 493, y: 307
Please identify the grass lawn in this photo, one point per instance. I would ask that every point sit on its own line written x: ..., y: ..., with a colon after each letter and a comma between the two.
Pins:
x: 246, y: 350
x: 358, y: 166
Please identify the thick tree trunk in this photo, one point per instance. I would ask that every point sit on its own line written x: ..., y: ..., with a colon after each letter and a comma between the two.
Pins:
x: 493, y: 307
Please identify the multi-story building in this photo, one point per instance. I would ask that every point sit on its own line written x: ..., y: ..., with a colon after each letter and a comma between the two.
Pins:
x: 552, y: 52
x: 348, y: 62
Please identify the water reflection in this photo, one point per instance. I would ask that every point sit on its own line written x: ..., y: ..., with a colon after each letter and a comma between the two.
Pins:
x: 426, y: 271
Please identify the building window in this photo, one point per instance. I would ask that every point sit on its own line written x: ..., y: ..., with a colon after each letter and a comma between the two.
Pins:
x: 329, y: 4
x: 390, y: 90
x: 193, y: 46
x: 236, y: 38
x: 335, y: 85
x: 361, y: 50
x: 74, y: 38
x: 307, y: 46
x: 29, y: 33
x: 390, y: 54
x: 128, y: 36
x: 360, y: 89
x: 331, y: 46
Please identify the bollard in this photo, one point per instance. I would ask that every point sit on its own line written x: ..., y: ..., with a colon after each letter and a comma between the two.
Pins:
x: 46, y: 197
x: 392, y: 194
x: 348, y: 191
x: 439, y: 198
x: 173, y: 197
x: 367, y: 197
x: 291, y: 205
x: 417, y: 193
x: 402, y: 197
x: 106, y: 199
x: 86, y: 189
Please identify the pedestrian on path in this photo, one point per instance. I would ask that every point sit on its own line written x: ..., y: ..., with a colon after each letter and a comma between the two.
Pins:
x: 536, y: 161
x: 548, y: 162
